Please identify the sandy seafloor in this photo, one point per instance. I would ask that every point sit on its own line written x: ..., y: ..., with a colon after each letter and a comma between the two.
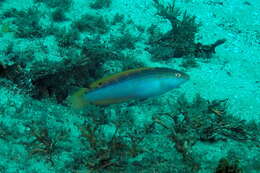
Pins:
x: 232, y: 73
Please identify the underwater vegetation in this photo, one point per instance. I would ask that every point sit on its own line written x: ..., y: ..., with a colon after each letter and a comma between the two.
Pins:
x: 180, y: 40
x: 216, y: 127
x: 67, y: 38
x: 91, y: 23
x: 87, y: 54
x: 42, y: 142
x: 129, y: 147
x: 64, y: 4
x: 103, y: 143
x: 126, y: 38
x: 118, y: 18
x: 24, y: 28
x: 83, y: 54
x: 73, y: 71
x: 98, y: 4
x: 60, y: 8
x: 35, y: 130
x: 58, y: 15
x: 225, y: 165
x: 126, y: 41
x: 44, y: 78
x: 112, y: 154
x: 82, y: 60
x: 205, y: 121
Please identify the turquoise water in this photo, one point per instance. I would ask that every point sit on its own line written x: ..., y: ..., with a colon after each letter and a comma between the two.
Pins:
x: 50, y: 49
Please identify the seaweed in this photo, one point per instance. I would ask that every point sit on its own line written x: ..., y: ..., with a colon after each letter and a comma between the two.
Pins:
x: 180, y: 40
x: 58, y: 15
x: 6, y: 27
x: 5, y: 132
x: 43, y: 143
x: 29, y: 28
x: 46, y: 79
x: 13, y: 67
x: 112, y: 154
x: 118, y: 18
x: 228, y: 166
x: 205, y: 121
x: 126, y: 41
x: 98, y: 4
x: 3, y: 168
x: 64, y: 4
x: 14, y: 73
x: 26, y: 28
x: 189, y: 62
x: 47, y: 83
x: 130, y: 62
x: 91, y: 23
x: 183, y: 142
x: 206, y: 51
x: 67, y: 38
x: 2, y: 69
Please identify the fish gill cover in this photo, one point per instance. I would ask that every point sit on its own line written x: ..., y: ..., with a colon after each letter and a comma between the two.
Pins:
x: 51, y: 48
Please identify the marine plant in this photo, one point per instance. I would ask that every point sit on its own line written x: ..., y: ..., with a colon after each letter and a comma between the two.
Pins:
x: 43, y: 143
x: 6, y: 27
x: 67, y: 37
x: 205, y: 121
x: 58, y: 15
x: 24, y: 28
x: 98, y: 4
x: 2, y: 69
x: 44, y: 78
x: 65, y: 4
x: 109, y: 154
x: 179, y: 41
x: 125, y: 41
x: 118, y: 18
x: 189, y: 62
x: 27, y: 28
x: 91, y: 23
x: 3, y: 168
x: 228, y: 166
x: 131, y: 62
x: 5, y: 132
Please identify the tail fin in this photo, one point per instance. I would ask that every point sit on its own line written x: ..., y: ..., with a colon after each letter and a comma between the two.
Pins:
x: 77, y: 100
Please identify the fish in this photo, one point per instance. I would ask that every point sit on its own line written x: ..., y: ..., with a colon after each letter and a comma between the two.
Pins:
x: 134, y: 84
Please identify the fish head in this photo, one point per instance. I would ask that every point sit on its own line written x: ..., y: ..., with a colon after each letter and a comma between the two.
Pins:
x: 183, y: 77
x: 176, y: 79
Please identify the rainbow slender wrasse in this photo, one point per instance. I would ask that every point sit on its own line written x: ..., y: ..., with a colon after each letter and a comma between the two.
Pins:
x: 139, y: 83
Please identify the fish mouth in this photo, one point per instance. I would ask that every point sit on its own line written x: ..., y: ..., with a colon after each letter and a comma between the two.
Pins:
x: 185, y: 76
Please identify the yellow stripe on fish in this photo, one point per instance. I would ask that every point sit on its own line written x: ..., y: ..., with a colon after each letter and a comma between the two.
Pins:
x: 112, y: 78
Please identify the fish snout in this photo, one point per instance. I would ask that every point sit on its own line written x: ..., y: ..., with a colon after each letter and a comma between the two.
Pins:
x: 182, y: 75
x: 185, y: 76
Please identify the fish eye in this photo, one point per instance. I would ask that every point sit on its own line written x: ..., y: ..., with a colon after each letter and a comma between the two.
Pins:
x: 99, y: 84
x: 178, y: 75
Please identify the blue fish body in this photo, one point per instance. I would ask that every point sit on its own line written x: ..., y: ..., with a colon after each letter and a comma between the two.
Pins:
x: 133, y: 84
